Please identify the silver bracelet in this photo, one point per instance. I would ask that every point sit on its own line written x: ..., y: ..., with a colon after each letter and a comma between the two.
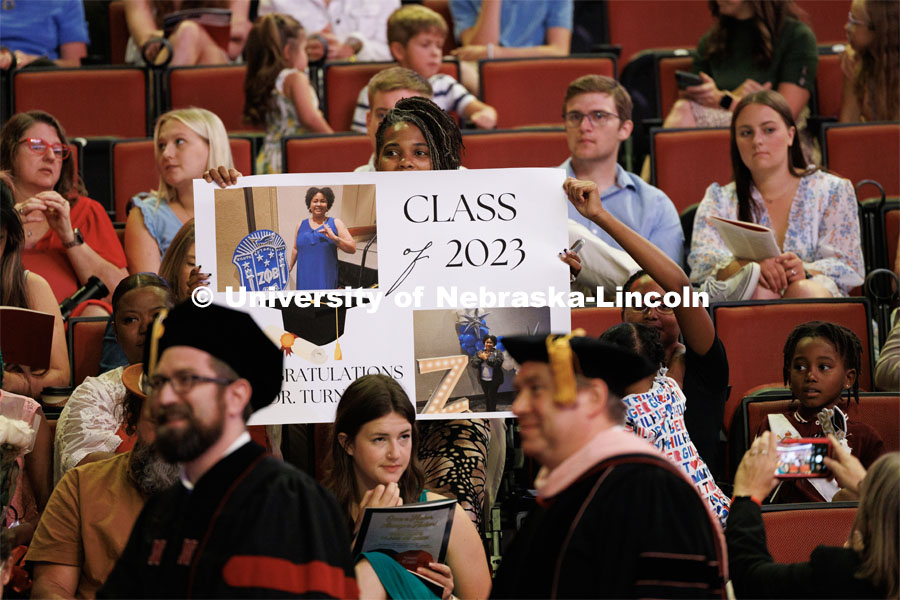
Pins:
x: 490, y: 50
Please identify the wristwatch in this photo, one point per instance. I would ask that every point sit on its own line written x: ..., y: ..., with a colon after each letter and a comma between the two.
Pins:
x: 79, y: 239
x: 726, y: 101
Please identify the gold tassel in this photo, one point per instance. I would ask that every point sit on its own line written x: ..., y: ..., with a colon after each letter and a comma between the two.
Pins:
x: 559, y: 355
x: 338, y: 355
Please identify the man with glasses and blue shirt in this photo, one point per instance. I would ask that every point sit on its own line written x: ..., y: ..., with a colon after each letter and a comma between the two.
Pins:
x: 240, y: 524
x: 597, y: 117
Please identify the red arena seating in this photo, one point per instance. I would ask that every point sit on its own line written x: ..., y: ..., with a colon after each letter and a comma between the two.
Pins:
x: 337, y: 153
x: 794, y: 530
x: 860, y: 151
x: 530, y: 91
x: 133, y: 169
x: 514, y: 148
x: 217, y: 89
x: 99, y: 101
x: 675, y: 155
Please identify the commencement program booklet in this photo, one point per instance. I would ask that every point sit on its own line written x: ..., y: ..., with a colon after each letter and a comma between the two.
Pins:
x: 413, y: 534
x: 748, y: 241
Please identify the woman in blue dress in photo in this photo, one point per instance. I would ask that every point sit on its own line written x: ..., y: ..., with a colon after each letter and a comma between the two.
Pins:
x: 317, y: 240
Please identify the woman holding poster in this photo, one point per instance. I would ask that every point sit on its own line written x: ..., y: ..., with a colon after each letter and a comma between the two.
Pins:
x: 317, y: 240
x: 373, y: 452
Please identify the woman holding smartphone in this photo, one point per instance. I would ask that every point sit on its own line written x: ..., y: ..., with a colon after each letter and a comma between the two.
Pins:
x: 868, y: 566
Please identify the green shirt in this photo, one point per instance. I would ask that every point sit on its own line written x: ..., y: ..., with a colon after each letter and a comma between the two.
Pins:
x: 794, y: 58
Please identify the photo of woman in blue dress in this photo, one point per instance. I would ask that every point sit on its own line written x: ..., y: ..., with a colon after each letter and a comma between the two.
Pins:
x: 318, y: 239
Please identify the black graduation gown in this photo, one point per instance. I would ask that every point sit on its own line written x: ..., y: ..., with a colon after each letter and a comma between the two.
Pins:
x: 631, y: 514
x: 252, y: 527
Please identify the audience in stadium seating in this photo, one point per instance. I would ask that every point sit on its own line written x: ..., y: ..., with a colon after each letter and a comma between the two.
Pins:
x: 699, y: 366
x: 47, y: 33
x: 340, y: 29
x: 867, y: 565
x: 871, y: 62
x: 416, y: 35
x: 188, y: 142
x: 597, y: 117
x: 812, y: 214
x: 179, y: 266
x: 68, y: 236
x: 277, y: 91
x: 189, y: 42
x: 90, y: 425
x: 25, y: 289
x: 821, y: 366
x: 385, y: 89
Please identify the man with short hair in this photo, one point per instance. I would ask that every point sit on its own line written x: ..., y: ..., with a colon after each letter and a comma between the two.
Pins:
x: 385, y: 89
x: 613, y: 518
x: 86, y: 522
x: 240, y: 523
x: 597, y: 117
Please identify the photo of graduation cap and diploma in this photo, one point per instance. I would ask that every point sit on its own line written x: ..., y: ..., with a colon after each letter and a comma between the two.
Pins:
x: 306, y: 330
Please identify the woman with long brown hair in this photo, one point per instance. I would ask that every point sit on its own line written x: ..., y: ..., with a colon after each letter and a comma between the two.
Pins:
x: 374, y: 463
x: 812, y: 214
x: 871, y: 64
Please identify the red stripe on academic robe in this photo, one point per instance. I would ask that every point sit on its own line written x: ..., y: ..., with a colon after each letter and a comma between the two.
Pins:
x: 280, y: 574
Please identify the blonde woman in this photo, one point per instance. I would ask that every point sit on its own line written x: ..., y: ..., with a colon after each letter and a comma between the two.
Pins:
x: 187, y: 142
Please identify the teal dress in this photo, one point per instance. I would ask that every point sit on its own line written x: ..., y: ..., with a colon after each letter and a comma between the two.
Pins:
x: 399, y: 583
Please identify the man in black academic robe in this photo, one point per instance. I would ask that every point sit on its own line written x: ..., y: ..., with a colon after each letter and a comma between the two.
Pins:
x: 240, y: 523
x: 614, y: 518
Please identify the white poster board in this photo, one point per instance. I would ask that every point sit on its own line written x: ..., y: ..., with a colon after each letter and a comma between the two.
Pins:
x: 455, y: 255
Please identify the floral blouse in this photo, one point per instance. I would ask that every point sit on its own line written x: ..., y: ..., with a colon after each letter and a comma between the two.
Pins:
x: 823, y: 230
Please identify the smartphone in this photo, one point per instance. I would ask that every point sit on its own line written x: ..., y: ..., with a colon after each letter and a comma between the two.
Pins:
x: 686, y: 79
x: 576, y: 247
x: 803, y: 457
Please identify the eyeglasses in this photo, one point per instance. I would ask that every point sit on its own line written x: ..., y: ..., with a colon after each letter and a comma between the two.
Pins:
x: 39, y: 146
x: 851, y: 20
x: 638, y: 310
x: 596, y: 117
x: 182, y: 383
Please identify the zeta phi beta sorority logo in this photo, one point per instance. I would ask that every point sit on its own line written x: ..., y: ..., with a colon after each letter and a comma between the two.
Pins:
x: 259, y: 259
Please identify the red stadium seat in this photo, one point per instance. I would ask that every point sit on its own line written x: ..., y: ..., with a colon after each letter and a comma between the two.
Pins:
x: 637, y: 25
x: 860, y: 151
x: 794, y: 530
x: 829, y: 85
x: 668, y: 88
x: 90, y: 102
x: 754, y: 333
x: 85, y: 338
x: 134, y: 169
x: 344, y: 80
x: 338, y: 153
x: 217, y: 89
x: 675, y: 155
x: 530, y: 91
x: 515, y: 148
x: 118, y: 32
x: 827, y: 19
x: 595, y: 320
